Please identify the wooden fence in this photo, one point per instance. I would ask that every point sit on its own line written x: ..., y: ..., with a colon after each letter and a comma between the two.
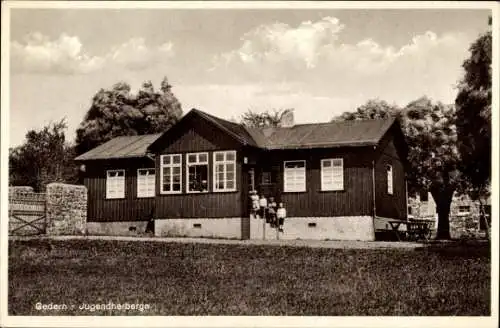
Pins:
x: 27, y: 213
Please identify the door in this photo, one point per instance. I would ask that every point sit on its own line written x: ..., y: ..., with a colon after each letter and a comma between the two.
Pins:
x: 247, y: 184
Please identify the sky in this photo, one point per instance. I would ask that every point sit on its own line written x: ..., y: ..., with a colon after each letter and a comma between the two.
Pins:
x: 321, y: 62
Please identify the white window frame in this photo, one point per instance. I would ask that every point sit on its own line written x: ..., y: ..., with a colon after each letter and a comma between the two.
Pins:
x: 113, y: 180
x: 147, y: 177
x: 171, y: 165
x: 286, y: 188
x: 223, y: 162
x: 336, y: 185
x: 196, y: 164
x: 390, y: 179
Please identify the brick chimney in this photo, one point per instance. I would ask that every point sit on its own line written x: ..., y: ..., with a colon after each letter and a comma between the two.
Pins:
x: 287, y: 120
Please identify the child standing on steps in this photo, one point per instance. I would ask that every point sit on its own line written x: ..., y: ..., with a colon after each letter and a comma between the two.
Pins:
x: 255, y: 203
x: 272, y: 212
x: 263, y: 206
x: 281, y: 215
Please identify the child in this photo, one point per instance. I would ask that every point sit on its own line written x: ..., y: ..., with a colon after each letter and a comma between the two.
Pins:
x: 263, y: 206
x: 281, y: 214
x: 272, y: 212
x: 255, y: 202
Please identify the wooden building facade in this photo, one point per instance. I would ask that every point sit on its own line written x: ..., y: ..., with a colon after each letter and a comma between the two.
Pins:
x: 340, y: 180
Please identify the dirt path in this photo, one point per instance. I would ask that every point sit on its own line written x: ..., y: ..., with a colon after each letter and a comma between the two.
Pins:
x: 337, y: 244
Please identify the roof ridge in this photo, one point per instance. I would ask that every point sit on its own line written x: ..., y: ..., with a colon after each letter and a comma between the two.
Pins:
x: 323, y: 123
x: 217, y: 120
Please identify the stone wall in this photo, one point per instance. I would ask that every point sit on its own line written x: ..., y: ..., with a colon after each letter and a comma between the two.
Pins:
x: 66, y: 209
x: 462, y: 224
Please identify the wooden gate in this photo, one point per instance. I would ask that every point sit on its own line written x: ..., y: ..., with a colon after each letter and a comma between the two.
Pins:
x: 27, y: 214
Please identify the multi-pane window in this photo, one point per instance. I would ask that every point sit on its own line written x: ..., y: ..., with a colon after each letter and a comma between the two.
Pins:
x: 389, y: 180
x: 197, y: 172
x: 332, y: 174
x: 295, y: 176
x: 145, y: 183
x: 115, y: 184
x: 224, y: 170
x: 171, y: 177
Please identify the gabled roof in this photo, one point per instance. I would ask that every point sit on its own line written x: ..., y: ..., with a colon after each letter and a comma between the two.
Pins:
x: 333, y: 134
x: 120, y: 147
x: 233, y: 130
x: 302, y: 136
x: 236, y: 130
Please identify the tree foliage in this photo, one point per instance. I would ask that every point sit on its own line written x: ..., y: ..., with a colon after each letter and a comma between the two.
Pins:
x: 433, y: 157
x: 265, y: 119
x: 117, y: 112
x: 373, y: 109
x: 44, y: 157
x: 473, y: 103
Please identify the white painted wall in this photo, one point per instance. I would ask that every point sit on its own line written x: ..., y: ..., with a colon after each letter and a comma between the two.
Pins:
x: 332, y: 228
x: 116, y: 228
x: 212, y: 228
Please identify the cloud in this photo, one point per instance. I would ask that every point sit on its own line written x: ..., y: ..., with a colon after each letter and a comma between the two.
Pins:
x: 312, y: 53
x: 237, y: 99
x: 136, y: 55
x: 65, y: 55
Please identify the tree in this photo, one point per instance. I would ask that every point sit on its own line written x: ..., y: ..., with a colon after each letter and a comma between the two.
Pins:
x: 44, y: 157
x: 373, y: 109
x: 473, y: 103
x: 117, y: 112
x: 433, y: 156
x: 266, y: 119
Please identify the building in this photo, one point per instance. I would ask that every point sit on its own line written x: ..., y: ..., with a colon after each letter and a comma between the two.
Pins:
x: 465, y: 213
x: 338, y: 180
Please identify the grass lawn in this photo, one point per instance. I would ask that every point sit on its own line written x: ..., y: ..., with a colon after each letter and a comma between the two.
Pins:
x: 207, y: 279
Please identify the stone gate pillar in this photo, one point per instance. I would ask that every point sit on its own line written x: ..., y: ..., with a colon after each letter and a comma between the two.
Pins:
x: 66, y: 209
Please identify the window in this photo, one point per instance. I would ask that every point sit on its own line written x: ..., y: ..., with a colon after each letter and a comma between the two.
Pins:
x: 145, y: 183
x: 171, y: 177
x: 295, y: 176
x: 410, y: 210
x: 225, y: 170
x: 463, y: 210
x: 197, y: 172
x: 389, y: 180
x: 332, y: 174
x: 115, y: 184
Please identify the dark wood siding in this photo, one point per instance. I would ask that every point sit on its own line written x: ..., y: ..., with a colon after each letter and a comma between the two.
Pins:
x: 200, y: 138
x: 387, y: 205
x: 130, y: 208
x: 355, y: 200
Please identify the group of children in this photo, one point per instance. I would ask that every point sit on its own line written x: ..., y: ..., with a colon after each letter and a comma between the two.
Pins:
x: 274, y: 214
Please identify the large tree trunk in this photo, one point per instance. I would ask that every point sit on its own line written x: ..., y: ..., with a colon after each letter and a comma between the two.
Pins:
x: 443, y: 198
x: 482, y: 217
